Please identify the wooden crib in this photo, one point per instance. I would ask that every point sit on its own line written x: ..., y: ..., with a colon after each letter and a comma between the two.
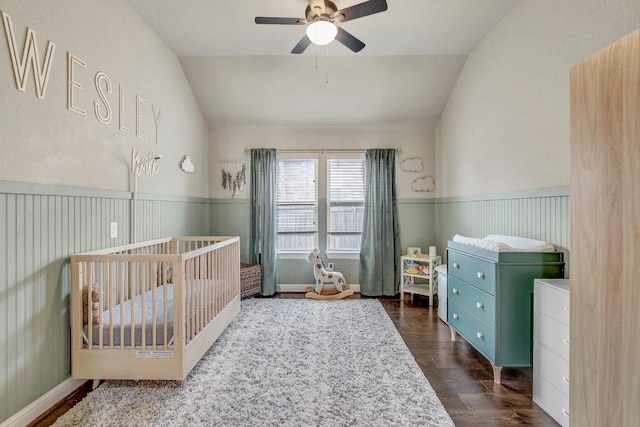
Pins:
x: 151, y: 310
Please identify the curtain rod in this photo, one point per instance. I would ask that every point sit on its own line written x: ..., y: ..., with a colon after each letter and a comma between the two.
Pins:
x: 323, y: 150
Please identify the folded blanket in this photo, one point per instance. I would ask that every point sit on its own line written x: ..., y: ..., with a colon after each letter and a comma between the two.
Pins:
x: 500, y: 243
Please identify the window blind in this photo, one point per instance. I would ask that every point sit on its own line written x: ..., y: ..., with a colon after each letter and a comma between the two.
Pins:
x: 297, y: 204
x: 345, y: 203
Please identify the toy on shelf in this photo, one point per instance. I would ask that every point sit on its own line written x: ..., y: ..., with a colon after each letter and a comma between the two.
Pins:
x: 411, y: 268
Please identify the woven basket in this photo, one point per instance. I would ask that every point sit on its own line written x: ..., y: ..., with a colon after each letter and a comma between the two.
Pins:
x: 250, y: 279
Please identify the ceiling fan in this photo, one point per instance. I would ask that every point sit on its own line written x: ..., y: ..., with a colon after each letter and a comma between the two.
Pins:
x: 322, y: 15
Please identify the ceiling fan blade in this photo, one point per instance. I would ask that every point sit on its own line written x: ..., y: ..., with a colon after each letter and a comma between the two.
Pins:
x: 349, y: 41
x: 302, y: 45
x: 362, y: 9
x: 280, y: 21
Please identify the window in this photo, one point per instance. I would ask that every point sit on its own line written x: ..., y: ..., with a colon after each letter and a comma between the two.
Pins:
x: 297, y: 205
x: 302, y: 186
x: 345, y: 204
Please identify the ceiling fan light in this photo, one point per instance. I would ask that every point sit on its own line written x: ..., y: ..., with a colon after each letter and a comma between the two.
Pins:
x: 322, y: 32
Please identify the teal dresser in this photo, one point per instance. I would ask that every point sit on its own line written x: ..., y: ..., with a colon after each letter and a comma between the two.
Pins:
x: 490, y: 300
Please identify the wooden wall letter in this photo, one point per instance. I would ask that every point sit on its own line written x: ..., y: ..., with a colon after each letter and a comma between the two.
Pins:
x: 29, y: 55
x: 103, y: 78
x: 157, y: 118
x: 72, y: 84
x: 123, y: 128
x: 139, y: 117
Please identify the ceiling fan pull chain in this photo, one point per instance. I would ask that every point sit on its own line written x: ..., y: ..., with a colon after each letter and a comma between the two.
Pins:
x: 327, y: 64
x: 317, y: 50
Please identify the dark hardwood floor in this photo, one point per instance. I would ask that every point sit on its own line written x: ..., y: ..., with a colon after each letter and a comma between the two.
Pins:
x: 461, y: 377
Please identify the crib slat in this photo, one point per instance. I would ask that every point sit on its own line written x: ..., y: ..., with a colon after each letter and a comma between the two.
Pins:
x: 154, y: 285
x: 193, y: 298
x: 88, y: 267
x: 165, y: 304
x: 201, y: 294
x: 210, y: 283
x: 100, y: 274
x: 122, y: 291
x: 143, y: 293
x: 110, y: 299
x: 132, y: 296
x: 197, y: 284
x: 187, y: 297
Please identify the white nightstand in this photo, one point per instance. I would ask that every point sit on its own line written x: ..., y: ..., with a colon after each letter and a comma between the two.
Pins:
x: 419, y: 276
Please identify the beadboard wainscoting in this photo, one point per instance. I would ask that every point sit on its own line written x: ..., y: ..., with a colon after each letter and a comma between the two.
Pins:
x: 40, y: 227
x: 537, y: 214
x: 230, y: 217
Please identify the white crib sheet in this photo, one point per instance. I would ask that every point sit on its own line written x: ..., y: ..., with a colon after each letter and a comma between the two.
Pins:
x: 114, y: 314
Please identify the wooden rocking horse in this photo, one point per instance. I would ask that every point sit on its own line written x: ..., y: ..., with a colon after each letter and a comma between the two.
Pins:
x: 322, y: 276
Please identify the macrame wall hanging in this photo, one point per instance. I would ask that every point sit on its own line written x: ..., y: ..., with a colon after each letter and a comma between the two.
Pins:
x: 234, y: 175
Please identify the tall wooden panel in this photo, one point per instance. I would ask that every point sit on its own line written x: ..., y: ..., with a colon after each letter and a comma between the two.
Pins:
x: 605, y: 237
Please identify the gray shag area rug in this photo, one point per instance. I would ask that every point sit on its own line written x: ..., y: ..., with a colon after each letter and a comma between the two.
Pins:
x: 283, y: 362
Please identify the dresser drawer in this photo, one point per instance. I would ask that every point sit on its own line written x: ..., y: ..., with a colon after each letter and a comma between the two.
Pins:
x: 476, y: 332
x: 552, y: 301
x: 552, y: 334
x: 551, y: 367
x: 551, y: 400
x: 480, y: 304
x: 477, y: 272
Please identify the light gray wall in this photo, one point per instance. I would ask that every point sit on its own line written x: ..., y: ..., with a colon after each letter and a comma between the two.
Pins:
x: 45, y: 142
x: 230, y: 144
x: 502, y: 142
x: 64, y: 177
x: 506, y: 125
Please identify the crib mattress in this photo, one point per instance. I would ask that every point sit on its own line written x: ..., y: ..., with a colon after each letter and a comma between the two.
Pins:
x: 113, y: 317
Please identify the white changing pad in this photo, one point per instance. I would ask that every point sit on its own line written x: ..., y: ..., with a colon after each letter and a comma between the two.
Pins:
x: 501, y: 243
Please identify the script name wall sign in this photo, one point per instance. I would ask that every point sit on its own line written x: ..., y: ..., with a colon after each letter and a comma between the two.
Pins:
x: 29, y: 58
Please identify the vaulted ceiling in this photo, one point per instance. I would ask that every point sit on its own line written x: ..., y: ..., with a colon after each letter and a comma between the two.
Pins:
x: 243, y: 74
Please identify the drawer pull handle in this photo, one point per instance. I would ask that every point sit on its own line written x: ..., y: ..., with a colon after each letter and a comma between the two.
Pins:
x: 567, y: 309
x: 565, y: 412
x: 566, y: 341
x: 479, y: 305
x: 480, y: 335
x: 455, y: 291
x: 480, y: 275
x: 456, y: 265
x: 455, y: 316
x: 565, y: 379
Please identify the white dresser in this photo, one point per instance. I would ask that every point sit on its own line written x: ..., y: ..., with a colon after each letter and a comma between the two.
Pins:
x: 551, y: 347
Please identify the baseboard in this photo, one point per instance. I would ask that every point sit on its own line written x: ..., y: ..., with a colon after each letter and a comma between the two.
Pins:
x: 43, y: 404
x: 303, y: 288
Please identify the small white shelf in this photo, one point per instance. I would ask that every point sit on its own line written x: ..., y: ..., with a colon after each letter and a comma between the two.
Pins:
x: 422, y: 283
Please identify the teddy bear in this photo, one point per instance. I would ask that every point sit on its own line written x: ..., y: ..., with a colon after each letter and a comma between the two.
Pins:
x: 95, y: 304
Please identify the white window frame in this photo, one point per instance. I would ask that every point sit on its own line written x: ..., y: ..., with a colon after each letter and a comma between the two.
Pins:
x: 322, y: 190
x: 302, y: 254
x: 337, y: 253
